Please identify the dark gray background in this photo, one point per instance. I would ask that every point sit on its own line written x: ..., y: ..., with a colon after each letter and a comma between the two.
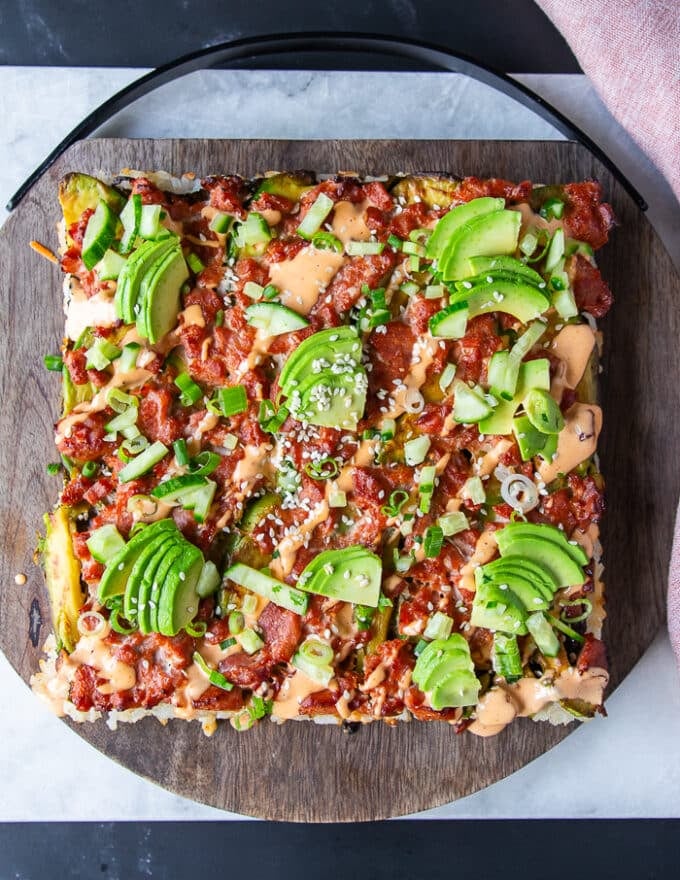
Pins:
x: 511, y: 35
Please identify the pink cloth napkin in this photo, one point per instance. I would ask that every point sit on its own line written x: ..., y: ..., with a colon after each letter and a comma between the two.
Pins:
x: 630, y: 50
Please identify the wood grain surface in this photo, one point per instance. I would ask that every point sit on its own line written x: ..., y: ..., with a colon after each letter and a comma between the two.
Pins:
x: 302, y: 771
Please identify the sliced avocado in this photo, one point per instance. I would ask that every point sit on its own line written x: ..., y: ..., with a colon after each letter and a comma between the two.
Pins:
x: 351, y: 575
x: 80, y: 192
x: 514, y: 297
x: 332, y: 401
x: 119, y: 567
x: 144, y: 560
x: 446, y: 228
x: 290, y: 185
x: 264, y: 585
x: 434, y: 191
x: 430, y: 663
x: 544, y: 635
x: 151, y: 577
x: 460, y: 688
x: 530, y: 441
x: 543, y: 412
x: 513, y: 531
x: 489, y: 235
x: 532, y: 374
x: 178, y: 601
x: 551, y: 556
x: 256, y: 511
x: 72, y: 394
x: 327, y: 344
x: 241, y: 546
x: 540, y: 578
x: 274, y: 318
x: 379, y: 628
x: 482, y: 266
x: 170, y: 558
x: 497, y: 609
x: 62, y: 575
x: 139, y: 263
x: 160, y: 301
x: 521, y: 585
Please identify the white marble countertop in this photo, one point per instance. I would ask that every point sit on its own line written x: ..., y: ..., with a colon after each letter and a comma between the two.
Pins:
x: 624, y: 766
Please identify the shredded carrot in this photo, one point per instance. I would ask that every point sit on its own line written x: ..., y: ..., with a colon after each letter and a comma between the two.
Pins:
x: 43, y: 251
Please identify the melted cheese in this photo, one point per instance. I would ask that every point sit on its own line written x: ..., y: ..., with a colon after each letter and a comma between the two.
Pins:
x: 303, y: 279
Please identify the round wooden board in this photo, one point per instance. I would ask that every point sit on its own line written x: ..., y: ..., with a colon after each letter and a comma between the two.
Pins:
x: 302, y: 771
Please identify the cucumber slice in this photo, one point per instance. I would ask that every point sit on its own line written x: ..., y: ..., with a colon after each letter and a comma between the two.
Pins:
x: 176, y: 487
x: 451, y: 322
x: 105, y: 542
x: 99, y: 234
x: 469, y: 404
x: 209, y: 580
x: 506, y: 657
x: 274, y: 319
x: 130, y: 217
x: 268, y: 587
x: 143, y: 462
x: 544, y: 635
x: 110, y: 266
x: 457, y: 217
x: 555, y: 251
x: 150, y: 221
x: 178, y: 602
x: 119, y: 566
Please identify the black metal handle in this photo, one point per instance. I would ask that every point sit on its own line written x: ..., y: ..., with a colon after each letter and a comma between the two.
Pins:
x: 229, y: 53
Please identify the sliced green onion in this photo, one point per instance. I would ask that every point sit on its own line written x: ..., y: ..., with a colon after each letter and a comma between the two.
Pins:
x: 323, y: 469
x: 410, y: 288
x: 337, y: 498
x: 420, y: 235
x: 135, y: 445
x: 364, y: 248
x: 320, y: 674
x: 119, y: 401
x: 555, y: 250
x: 219, y: 317
x: 394, y: 241
x: 474, y: 490
x: 150, y: 221
x: 415, y: 451
x: 552, y: 208
x: 117, y: 626
x: 270, y: 420
x: 447, y: 376
x: 227, y: 643
x: 410, y: 247
x: 439, y: 626
x: 420, y: 647
x: 130, y: 432
x: 315, y: 216
x: 397, y: 500
x: 53, y: 468
x: 528, y: 244
x: 253, y: 290
x: 414, y: 263
x: 232, y: 401
x: 326, y: 241
x: 567, y: 630
x: 250, y: 641
x: 53, y: 362
x: 179, y: 447
x: 453, y: 523
x: 402, y: 563
x: 214, y: 677
x: 105, y: 542
x: 144, y: 462
x: 236, y: 623
x: 124, y: 419
x: 221, y: 223
x: 191, y: 392
x: 270, y: 292
x: 100, y: 355
x: 89, y: 469
x: 427, y: 478
x: 128, y: 359
x: 577, y: 603
x: 384, y: 602
x: 200, y: 500
x: 204, y: 463
x: 316, y: 652
x: 363, y: 615
x: 196, y: 629
x: 388, y: 429
x: 433, y: 542
x: 230, y: 442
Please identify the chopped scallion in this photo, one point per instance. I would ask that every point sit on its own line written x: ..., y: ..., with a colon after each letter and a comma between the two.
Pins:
x: 416, y: 450
x: 179, y: 447
x: 433, y: 542
x: 53, y: 362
